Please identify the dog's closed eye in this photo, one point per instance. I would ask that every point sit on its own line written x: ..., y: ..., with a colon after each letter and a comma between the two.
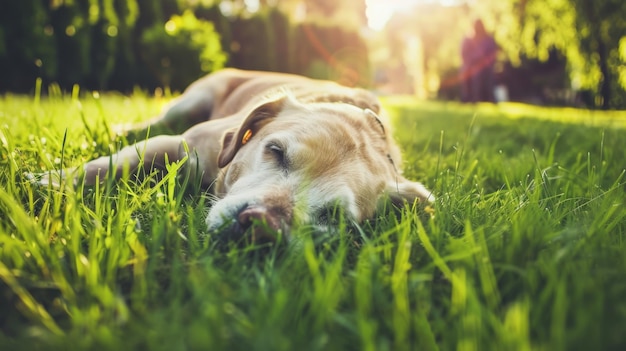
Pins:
x: 277, y: 152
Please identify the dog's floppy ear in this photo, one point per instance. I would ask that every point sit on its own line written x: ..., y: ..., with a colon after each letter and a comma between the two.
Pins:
x: 235, y: 138
x: 403, y: 190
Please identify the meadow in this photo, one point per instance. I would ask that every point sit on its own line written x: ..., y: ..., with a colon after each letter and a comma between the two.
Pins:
x: 524, y: 248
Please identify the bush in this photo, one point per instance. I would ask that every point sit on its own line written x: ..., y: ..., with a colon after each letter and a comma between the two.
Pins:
x: 182, y: 50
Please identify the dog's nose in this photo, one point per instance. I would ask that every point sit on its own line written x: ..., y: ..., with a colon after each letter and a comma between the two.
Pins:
x: 262, y: 224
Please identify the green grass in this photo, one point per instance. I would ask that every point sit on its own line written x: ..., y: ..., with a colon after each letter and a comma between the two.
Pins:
x: 525, y: 250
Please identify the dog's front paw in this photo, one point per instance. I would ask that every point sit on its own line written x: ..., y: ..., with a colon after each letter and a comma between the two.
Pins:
x: 54, y: 178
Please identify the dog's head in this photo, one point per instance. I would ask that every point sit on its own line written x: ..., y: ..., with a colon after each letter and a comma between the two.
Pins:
x: 297, y: 163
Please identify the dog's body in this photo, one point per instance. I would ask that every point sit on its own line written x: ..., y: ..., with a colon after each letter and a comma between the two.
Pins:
x: 277, y: 148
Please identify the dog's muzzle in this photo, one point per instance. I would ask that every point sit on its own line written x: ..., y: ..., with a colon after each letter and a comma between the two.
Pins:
x: 256, y: 224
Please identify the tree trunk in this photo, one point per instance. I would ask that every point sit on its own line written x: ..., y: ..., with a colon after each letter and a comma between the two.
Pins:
x: 605, y: 83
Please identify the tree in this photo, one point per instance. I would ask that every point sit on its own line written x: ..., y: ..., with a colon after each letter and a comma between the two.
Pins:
x: 27, y: 45
x: 586, y: 32
x: 74, y: 30
x: 602, y: 25
x: 122, y: 74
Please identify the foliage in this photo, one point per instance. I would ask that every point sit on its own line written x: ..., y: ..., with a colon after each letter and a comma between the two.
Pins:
x: 183, y: 50
x: 602, y: 25
x: 586, y: 32
x: 118, y: 44
x: 27, y: 49
x: 525, y: 249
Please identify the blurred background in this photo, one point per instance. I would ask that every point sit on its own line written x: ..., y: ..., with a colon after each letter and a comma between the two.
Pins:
x: 549, y: 52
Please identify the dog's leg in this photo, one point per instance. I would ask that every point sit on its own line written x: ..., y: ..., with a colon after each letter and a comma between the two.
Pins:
x: 150, y: 153
x: 155, y: 152
x: 189, y: 109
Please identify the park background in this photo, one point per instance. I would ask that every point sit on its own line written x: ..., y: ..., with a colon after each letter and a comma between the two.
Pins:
x: 525, y: 249
x: 557, y: 52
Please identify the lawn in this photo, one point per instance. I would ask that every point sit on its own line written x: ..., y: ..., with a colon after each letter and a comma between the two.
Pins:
x: 525, y: 249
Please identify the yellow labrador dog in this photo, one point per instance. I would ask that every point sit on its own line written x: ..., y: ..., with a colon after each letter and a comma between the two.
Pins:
x: 274, y: 148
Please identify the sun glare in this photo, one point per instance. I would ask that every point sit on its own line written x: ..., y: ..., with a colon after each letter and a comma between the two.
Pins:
x: 379, y: 12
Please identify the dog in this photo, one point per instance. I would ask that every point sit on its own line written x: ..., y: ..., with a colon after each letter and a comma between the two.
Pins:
x: 277, y: 150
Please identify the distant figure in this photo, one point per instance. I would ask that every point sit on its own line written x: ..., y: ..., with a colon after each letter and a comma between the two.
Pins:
x: 478, y: 53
